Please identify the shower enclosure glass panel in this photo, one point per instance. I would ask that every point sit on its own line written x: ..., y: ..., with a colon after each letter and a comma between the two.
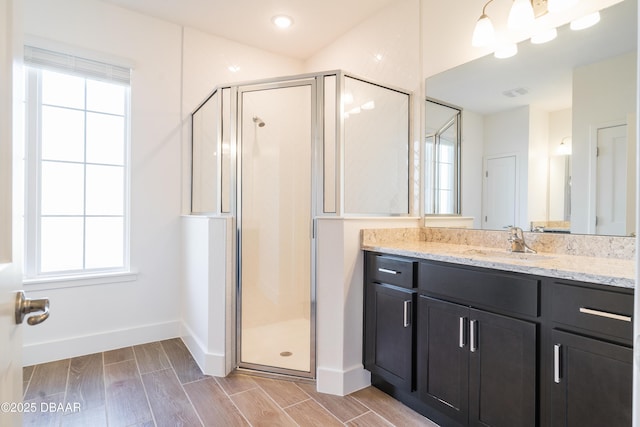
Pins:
x: 205, y: 158
x: 275, y: 227
x: 376, y: 149
x: 227, y: 155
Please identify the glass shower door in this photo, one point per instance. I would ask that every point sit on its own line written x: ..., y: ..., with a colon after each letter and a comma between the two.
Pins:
x: 275, y: 213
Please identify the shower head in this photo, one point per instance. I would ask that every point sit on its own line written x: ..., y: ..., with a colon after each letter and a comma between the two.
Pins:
x: 257, y: 120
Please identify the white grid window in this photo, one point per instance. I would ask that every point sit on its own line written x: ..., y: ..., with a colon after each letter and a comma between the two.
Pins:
x: 76, y: 169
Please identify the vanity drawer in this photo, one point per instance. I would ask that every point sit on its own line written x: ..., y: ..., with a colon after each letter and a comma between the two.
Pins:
x: 595, y: 310
x: 481, y: 288
x: 391, y: 270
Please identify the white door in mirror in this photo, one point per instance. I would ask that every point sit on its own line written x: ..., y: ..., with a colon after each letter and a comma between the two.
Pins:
x: 611, y: 182
x: 500, y: 193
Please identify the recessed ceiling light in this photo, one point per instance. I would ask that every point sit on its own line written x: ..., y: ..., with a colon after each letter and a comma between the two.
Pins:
x: 282, y: 21
x: 233, y: 68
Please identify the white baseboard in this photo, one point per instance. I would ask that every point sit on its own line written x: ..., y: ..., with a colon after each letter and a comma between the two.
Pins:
x: 50, y: 351
x: 342, y: 382
x: 209, y: 363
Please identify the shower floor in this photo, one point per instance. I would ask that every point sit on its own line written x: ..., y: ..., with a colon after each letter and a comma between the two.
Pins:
x: 263, y: 345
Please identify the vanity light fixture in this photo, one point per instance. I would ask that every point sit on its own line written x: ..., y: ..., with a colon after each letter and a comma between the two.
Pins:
x: 282, y: 21
x: 521, y: 15
x: 585, y: 22
x: 483, y: 34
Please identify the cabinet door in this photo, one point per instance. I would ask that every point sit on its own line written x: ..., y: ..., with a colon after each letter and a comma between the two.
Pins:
x: 502, y: 371
x: 389, y: 335
x: 592, y: 384
x: 443, y: 357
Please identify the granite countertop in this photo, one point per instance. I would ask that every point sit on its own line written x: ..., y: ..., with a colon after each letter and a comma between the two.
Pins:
x: 605, y: 271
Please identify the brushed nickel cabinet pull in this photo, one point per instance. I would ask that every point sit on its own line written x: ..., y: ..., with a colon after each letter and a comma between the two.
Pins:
x: 407, y: 313
x: 605, y: 314
x: 385, y: 270
x: 472, y: 336
x: 463, y: 320
x: 556, y: 363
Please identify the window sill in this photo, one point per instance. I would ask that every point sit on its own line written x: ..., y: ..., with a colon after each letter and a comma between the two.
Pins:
x: 61, y: 282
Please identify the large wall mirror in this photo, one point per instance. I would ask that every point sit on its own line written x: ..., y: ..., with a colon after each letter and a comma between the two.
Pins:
x: 554, y: 128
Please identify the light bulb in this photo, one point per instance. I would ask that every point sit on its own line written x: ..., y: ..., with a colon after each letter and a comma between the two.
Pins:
x: 521, y: 15
x: 483, y: 34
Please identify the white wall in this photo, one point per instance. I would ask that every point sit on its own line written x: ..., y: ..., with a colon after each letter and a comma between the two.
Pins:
x: 471, y: 166
x: 594, y: 105
x: 173, y: 71
x: 538, y: 166
x: 92, y: 318
x: 393, y: 32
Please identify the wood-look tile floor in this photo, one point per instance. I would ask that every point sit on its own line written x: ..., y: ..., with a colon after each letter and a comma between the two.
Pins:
x: 159, y: 384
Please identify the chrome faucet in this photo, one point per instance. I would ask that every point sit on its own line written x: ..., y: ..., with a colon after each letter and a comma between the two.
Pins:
x: 516, y: 238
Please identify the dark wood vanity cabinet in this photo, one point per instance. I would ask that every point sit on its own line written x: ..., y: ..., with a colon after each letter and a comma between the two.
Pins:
x: 477, y: 367
x: 482, y: 347
x: 591, y: 356
x: 389, y: 325
x: 443, y: 357
x: 477, y: 361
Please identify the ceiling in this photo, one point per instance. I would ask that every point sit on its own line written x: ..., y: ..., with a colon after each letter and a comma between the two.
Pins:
x: 316, y: 23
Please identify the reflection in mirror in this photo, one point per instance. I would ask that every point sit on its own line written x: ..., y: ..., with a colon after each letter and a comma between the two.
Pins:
x: 442, y: 159
x: 577, y: 93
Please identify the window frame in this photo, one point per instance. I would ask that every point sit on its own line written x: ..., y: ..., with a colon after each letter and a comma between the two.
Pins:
x: 33, y: 186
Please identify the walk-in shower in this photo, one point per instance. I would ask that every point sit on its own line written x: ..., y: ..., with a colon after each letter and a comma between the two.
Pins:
x: 276, y: 155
